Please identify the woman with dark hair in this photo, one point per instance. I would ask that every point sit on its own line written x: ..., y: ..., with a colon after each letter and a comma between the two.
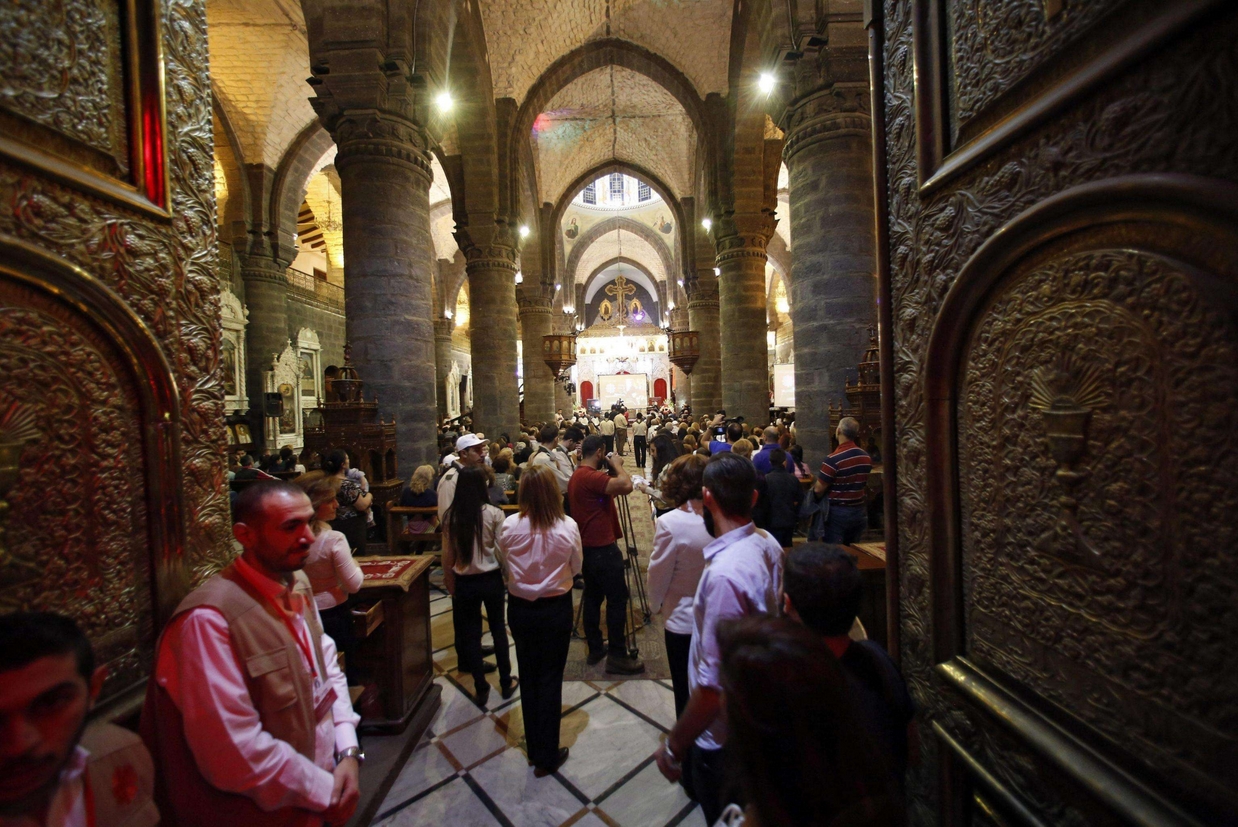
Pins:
x: 473, y: 576
x: 350, y: 519
x: 802, y: 757
x: 675, y: 567
x: 664, y: 449
x: 542, y: 550
x: 796, y: 465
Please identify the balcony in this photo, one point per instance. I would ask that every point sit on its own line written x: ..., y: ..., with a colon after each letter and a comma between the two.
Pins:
x: 307, y: 286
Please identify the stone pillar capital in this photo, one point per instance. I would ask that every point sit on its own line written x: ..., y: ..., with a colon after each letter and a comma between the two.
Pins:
x: 840, y: 111
x: 376, y: 134
x: 743, y: 235
x: 533, y: 305
x: 443, y: 328
x: 257, y: 267
x: 488, y: 249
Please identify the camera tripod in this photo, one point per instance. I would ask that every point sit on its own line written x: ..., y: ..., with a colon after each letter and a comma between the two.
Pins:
x: 637, y: 595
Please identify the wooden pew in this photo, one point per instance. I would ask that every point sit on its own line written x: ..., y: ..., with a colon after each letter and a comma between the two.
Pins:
x: 397, y: 535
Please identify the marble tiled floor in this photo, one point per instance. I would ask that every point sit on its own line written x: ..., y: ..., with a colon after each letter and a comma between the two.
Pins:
x: 471, y: 767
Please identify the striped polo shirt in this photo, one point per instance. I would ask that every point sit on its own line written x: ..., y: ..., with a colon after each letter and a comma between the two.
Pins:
x: 846, y: 473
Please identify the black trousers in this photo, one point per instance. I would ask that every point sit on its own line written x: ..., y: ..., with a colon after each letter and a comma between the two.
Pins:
x: 603, y: 571
x: 638, y: 447
x: 708, y: 781
x: 472, y: 592
x: 783, y: 534
x: 610, y: 442
x: 337, y: 624
x: 542, y: 630
x: 677, y: 648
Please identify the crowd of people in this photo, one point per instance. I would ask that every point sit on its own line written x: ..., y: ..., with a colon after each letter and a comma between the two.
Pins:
x: 785, y: 713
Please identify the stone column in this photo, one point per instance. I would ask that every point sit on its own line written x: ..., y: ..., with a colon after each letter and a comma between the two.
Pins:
x: 703, y: 318
x: 442, y: 361
x: 741, y: 315
x: 491, y: 269
x: 539, y: 382
x: 681, y: 383
x: 828, y: 153
x: 266, y: 299
x: 384, y: 168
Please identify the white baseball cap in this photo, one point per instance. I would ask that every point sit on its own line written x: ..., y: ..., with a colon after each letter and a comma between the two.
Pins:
x: 468, y: 441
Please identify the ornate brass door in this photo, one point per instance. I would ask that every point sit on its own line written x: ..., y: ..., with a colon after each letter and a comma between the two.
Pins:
x: 1060, y: 253
x: 110, y: 395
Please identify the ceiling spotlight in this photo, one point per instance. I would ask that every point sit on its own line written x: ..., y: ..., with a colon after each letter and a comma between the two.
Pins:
x: 707, y: 223
x: 681, y: 282
x: 443, y: 101
x: 717, y: 271
x: 524, y: 232
x: 446, y: 314
x: 767, y: 82
x: 519, y: 277
x: 670, y: 305
x: 558, y: 287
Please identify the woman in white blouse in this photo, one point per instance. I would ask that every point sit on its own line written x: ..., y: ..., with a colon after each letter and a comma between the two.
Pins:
x: 474, y: 577
x: 542, y: 550
x: 675, y: 567
x: 330, y: 567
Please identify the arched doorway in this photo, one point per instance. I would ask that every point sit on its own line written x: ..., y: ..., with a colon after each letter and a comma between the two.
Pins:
x: 659, y: 390
x: 586, y: 392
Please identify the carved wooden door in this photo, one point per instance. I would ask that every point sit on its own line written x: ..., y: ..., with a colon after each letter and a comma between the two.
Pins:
x: 111, y: 433
x: 1060, y: 262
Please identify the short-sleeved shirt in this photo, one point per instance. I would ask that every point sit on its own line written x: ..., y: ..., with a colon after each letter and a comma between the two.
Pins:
x: 621, y: 421
x: 846, y: 473
x: 592, y: 508
x: 638, y: 428
x: 743, y: 574
x: 608, y: 427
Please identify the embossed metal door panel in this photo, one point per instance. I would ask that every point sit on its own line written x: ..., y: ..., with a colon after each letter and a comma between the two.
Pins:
x: 111, y: 433
x: 1061, y: 245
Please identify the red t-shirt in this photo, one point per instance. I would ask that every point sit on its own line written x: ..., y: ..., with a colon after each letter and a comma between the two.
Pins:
x: 592, y: 509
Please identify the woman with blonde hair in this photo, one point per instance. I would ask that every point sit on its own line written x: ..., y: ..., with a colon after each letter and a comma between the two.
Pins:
x: 421, y: 494
x: 330, y: 567
x: 542, y: 550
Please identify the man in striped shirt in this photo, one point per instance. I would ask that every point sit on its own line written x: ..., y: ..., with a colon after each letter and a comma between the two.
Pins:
x: 844, y: 475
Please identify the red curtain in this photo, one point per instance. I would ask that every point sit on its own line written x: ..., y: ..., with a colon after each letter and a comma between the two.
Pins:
x: 659, y: 389
x: 586, y: 392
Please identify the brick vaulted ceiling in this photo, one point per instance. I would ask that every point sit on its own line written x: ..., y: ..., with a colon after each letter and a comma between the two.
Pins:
x: 524, y: 37
x: 613, y: 113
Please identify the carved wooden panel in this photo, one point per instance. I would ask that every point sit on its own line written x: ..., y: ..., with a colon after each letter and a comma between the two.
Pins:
x: 125, y: 340
x: 81, y: 95
x: 1095, y: 427
x: 1068, y: 657
x: 78, y: 536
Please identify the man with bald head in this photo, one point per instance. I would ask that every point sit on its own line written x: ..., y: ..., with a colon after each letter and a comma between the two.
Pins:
x: 247, y: 714
x: 761, y: 458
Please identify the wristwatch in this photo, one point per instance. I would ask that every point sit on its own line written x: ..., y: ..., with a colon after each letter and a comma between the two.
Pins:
x: 351, y: 752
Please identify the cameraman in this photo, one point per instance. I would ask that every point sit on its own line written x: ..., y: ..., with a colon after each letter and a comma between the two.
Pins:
x: 734, y: 433
x: 592, y: 494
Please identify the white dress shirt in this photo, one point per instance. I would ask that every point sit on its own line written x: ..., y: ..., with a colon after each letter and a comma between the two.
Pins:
x: 205, y: 679
x: 675, y: 567
x: 540, y: 563
x: 486, y: 555
x: 742, y: 577
x: 67, y: 807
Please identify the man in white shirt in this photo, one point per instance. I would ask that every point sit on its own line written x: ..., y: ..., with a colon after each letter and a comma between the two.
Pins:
x: 742, y: 577
x: 639, y: 430
x: 558, y: 456
x: 470, y: 450
x: 247, y: 713
x: 621, y: 433
x: 607, y: 430
x: 54, y: 770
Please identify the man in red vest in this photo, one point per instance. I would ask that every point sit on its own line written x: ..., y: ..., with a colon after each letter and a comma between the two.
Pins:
x: 247, y: 713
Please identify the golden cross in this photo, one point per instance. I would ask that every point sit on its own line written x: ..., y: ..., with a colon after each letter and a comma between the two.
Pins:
x: 621, y: 290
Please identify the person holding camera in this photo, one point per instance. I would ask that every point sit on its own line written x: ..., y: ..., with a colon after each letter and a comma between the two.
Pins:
x: 592, y: 493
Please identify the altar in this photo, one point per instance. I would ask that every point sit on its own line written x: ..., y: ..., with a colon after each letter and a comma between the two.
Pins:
x: 623, y: 354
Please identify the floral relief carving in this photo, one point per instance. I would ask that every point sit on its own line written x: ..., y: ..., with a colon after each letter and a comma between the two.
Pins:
x: 1169, y: 113
x: 60, y: 61
x: 997, y: 43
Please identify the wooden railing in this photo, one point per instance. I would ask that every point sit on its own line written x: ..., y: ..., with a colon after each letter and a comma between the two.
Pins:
x: 312, y: 287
